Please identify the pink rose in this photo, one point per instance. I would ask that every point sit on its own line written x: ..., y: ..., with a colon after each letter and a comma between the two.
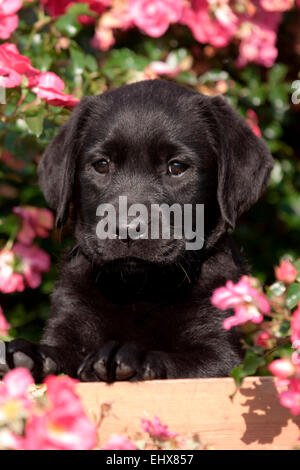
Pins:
x: 35, y: 222
x: 155, y: 429
x: 8, y: 24
x: 64, y: 424
x: 22, y: 266
x: 237, y: 294
x: 57, y: 7
x: 162, y: 68
x: 115, y: 18
x: 243, y: 314
x: 258, y: 35
x: 262, y: 339
x: 9, y: 7
x: 60, y: 424
x: 50, y: 87
x: 277, y: 5
x: 47, y: 85
x: 4, y: 325
x: 119, y: 443
x: 213, y: 23
x: 295, y: 324
x: 10, y: 440
x: 33, y: 261
x: 10, y: 281
x: 258, y: 47
x: 252, y: 120
x: 103, y: 39
x: 290, y: 398
x: 98, y: 6
x: 286, y: 272
x: 8, y: 18
x: 153, y: 17
x: 15, y: 386
x: 60, y: 391
x: 13, y: 66
x: 282, y: 368
x: 247, y: 302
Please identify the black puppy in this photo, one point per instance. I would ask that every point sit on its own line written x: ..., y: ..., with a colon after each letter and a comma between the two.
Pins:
x: 140, y: 309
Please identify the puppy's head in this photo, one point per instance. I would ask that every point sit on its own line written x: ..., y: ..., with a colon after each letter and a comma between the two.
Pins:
x: 154, y: 143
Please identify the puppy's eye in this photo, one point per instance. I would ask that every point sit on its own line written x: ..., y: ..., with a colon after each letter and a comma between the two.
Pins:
x: 101, y: 166
x: 177, y: 168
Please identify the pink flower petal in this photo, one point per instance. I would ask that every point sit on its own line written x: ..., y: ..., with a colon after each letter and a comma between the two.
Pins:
x: 119, y: 443
x: 17, y: 382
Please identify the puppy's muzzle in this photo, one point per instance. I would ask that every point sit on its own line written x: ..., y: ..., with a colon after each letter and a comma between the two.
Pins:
x: 128, y: 232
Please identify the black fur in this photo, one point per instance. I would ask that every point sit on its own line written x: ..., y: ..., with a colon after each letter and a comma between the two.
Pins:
x: 142, y: 310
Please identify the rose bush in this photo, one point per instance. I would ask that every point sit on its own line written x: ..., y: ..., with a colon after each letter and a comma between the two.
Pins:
x: 271, y: 323
x: 51, y: 417
x: 54, y: 421
x: 53, y: 52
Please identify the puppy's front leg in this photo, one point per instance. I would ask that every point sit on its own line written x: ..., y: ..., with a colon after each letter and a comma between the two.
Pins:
x: 47, y: 358
x: 40, y: 360
x: 114, y: 362
x: 198, y: 363
x: 61, y: 350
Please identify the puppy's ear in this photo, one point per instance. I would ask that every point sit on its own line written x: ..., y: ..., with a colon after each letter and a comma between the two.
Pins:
x: 56, y: 169
x: 244, y: 162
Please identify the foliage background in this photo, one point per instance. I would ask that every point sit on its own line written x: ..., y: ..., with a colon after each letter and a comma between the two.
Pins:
x: 62, y: 45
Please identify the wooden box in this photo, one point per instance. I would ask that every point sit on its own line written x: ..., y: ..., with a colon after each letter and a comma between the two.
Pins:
x: 253, y: 420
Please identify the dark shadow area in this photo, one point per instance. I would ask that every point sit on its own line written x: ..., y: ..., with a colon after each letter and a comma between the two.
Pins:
x: 265, y: 417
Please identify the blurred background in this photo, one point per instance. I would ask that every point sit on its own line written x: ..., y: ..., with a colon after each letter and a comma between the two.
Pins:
x: 54, y: 52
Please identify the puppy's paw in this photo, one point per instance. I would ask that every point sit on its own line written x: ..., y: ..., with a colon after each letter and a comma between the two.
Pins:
x: 115, y: 362
x: 154, y: 366
x: 40, y: 360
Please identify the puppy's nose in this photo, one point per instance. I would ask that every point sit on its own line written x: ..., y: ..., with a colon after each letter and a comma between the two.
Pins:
x: 129, y: 232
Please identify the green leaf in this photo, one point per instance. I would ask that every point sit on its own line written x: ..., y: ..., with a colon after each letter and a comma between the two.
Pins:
x: 284, y: 328
x: 257, y: 93
x: 277, y: 289
x: 151, y: 48
x: 80, y: 9
x: 273, y: 130
x: 174, y: 58
x: 278, y: 95
x: 238, y: 374
x: 289, y: 210
x: 29, y: 194
x: 47, y: 287
x: 123, y: 60
x: 10, y: 224
x: 186, y: 78
x: 293, y: 295
x: 250, y: 365
x: 297, y: 266
x: 20, y: 316
x: 91, y: 63
x: 277, y: 74
x: 68, y: 23
x: 36, y: 123
x: 78, y: 61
